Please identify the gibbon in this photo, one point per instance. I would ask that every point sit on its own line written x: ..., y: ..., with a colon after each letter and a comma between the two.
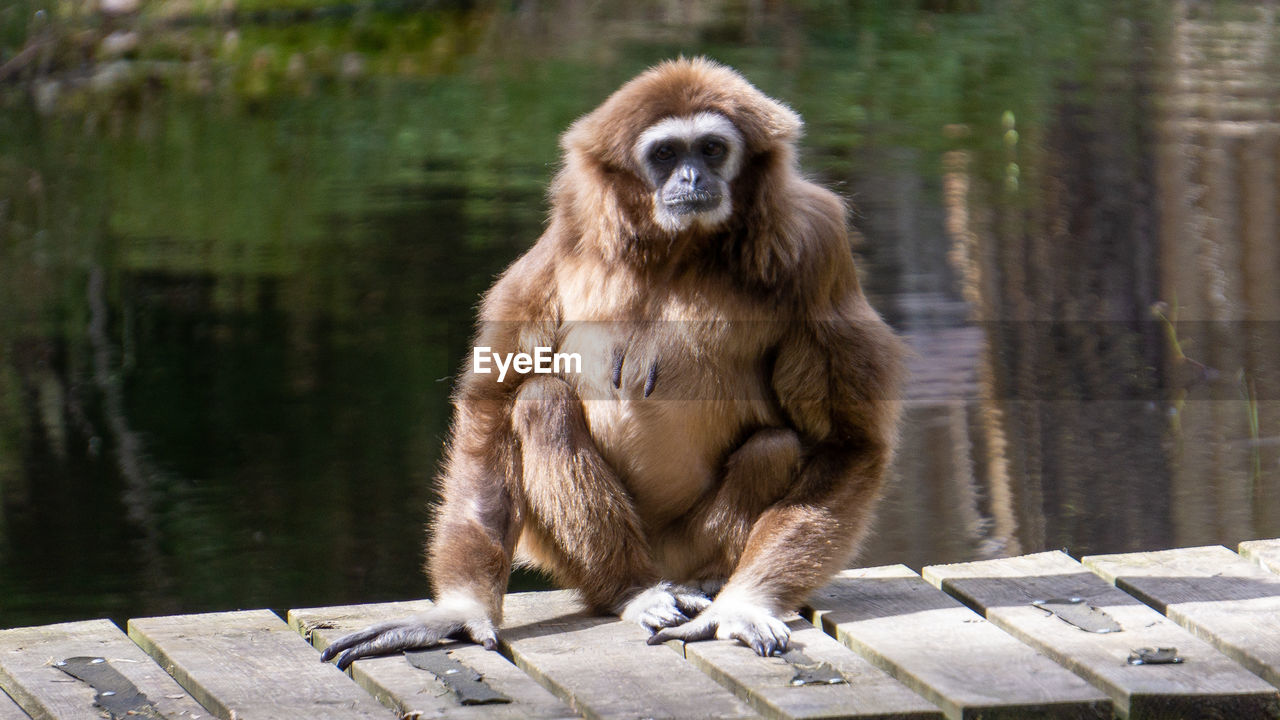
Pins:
x: 720, y: 452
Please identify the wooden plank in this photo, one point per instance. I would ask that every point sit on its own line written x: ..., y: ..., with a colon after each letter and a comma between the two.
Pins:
x: 765, y: 683
x: 602, y: 667
x: 1221, y: 597
x: 946, y: 652
x: 417, y: 693
x: 9, y: 709
x: 1264, y: 552
x: 1206, y: 684
x: 28, y: 675
x: 250, y: 664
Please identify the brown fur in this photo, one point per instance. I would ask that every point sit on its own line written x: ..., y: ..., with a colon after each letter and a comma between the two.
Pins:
x: 761, y: 451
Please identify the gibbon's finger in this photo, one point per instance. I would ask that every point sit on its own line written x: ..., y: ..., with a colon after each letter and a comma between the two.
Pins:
x: 765, y: 638
x: 763, y: 645
x: 782, y: 638
x: 658, y: 618
x: 691, y: 602
x: 388, y: 638
x: 402, y: 637
x: 655, y: 608
x: 778, y: 645
x: 692, y: 631
x: 350, y: 640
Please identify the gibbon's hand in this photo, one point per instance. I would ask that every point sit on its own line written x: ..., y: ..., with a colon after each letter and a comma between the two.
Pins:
x: 663, y: 605
x: 440, y: 621
x: 733, y: 618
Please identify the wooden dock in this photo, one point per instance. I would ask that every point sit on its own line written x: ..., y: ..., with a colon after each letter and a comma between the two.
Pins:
x: 1038, y: 636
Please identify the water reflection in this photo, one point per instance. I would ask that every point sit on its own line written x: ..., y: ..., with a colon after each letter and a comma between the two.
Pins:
x: 230, y: 304
x: 1126, y: 292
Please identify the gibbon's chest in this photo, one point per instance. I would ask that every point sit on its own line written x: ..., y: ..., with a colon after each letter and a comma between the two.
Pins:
x: 669, y: 382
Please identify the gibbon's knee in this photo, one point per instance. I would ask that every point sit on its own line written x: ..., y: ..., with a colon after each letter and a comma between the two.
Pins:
x: 766, y: 462
x: 756, y: 476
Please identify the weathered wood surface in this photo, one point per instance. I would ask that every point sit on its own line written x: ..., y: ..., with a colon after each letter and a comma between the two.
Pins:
x: 9, y: 709
x: 250, y: 664
x: 1264, y: 552
x: 1213, y: 592
x: 946, y: 652
x: 895, y: 632
x: 602, y: 666
x: 765, y: 683
x: 417, y: 693
x: 1206, y: 684
x: 28, y: 675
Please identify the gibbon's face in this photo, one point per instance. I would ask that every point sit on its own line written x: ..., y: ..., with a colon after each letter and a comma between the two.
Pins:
x: 690, y: 162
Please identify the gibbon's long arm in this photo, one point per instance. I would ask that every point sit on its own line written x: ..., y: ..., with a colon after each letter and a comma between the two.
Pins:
x: 478, y: 520
x: 476, y: 526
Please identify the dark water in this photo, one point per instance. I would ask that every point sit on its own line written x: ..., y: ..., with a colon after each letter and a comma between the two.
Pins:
x: 238, y: 269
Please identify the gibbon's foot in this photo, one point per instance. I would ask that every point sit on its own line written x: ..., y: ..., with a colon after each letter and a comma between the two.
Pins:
x: 458, y: 619
x: 734, y: 618
x: 663, y: 605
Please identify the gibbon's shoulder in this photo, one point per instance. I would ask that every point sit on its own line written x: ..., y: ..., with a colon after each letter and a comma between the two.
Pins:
x: 525, y: 290
x: 812, y: 243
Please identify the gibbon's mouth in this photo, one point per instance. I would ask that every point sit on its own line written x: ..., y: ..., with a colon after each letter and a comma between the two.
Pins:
x: 699, y: 201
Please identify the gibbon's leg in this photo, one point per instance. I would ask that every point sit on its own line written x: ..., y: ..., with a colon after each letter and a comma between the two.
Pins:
x: 580, y: 517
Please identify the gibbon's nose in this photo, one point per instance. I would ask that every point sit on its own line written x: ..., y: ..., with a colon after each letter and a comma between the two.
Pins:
x: 690, y: 178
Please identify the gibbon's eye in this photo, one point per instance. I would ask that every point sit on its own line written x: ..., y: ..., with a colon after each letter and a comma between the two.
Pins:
x: 663, y: 153
x: 713, y: 148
